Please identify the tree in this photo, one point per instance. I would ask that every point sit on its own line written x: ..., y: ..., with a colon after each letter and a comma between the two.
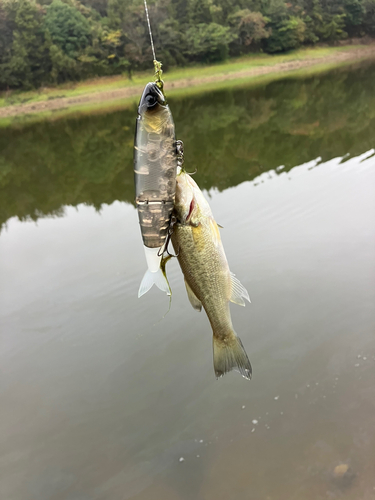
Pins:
x: 68, y: 28
x: 199, y: 12
x: 369, y: 17
x: 334, y: 29
x: 292, y: 33
x: 129, y: 17
x: 6, y: 39
x: 208, y: 42
x: 98, y: 5
x: 5, y: 34
x: 310, y: 34
x: 355, y: 11
x: 170, y: 43
x: 314, y: 20
x: 44, y: 41
x: 63, y: 67
x: 286, y: 35
x: 24, y: 58
x: 249, y: 28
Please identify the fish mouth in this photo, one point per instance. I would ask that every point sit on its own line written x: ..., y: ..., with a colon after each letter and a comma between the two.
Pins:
x: 191, y: 208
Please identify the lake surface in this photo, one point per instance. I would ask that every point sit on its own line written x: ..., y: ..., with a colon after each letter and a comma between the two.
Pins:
x: 104, y: 399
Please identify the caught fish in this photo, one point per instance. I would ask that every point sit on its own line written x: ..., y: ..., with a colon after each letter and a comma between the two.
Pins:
x: 209, y: 283
x: 155, y: 167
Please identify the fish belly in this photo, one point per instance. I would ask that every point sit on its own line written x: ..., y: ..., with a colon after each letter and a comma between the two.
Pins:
x: 206, y: 271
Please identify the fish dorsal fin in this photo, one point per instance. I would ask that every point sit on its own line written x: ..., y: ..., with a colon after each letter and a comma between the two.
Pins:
x: 194, y: 301
x: 215, y: 231
x: 239, y: 292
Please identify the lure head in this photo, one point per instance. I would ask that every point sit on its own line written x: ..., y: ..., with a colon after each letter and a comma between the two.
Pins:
x: 152, y: 100
x: 153, y: 110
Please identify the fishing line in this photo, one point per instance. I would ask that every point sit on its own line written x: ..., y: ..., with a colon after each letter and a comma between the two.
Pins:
x: 157, y: 65
x: 149, y: 30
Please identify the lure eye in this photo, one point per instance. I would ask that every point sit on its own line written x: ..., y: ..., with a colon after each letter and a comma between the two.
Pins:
x: 150, y: 100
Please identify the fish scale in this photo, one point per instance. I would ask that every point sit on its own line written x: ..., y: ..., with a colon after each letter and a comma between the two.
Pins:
x: 213, y: 277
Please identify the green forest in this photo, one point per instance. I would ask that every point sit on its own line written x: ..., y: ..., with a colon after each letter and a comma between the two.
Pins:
x: 47, y: 42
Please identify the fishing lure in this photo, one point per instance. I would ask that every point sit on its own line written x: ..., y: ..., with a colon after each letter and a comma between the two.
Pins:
x: 155, y: 168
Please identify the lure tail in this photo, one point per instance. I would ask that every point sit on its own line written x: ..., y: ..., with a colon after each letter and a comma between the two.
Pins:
x: 157, y: 278
x: 230, y: 355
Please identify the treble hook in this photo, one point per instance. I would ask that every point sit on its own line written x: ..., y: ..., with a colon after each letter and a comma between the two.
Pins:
x: 170, y: 232
x: 180, y: 156
x: 164, y: 248
x: 168, y: 252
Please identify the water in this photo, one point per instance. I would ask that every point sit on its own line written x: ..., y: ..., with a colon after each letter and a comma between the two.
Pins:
x: 100, y: 398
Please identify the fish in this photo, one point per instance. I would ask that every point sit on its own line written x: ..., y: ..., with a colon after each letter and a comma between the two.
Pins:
x: 155, y: 170
x: 209, y: 283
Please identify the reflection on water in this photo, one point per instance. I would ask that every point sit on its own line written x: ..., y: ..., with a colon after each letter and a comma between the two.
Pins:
x: 229, y: 135
x: 101, y: 400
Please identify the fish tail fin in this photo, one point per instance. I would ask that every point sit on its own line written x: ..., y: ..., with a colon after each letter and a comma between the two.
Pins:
x: 157, y: 278
x: 229, y: 355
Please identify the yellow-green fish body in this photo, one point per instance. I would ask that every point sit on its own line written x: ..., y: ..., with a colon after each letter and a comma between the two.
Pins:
x: 209, y: 282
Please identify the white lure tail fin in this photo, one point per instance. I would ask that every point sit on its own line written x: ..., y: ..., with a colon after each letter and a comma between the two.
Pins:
x: 153, y: 258
x: 231, y: 355
x: 157, y: 279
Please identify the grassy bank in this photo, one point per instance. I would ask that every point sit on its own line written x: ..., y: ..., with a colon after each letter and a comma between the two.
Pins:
x: 115, y: 92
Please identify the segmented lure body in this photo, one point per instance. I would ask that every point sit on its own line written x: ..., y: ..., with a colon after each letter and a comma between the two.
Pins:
x: 155, y: 167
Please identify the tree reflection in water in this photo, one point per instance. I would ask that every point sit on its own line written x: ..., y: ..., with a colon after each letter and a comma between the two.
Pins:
x: 230, y: 136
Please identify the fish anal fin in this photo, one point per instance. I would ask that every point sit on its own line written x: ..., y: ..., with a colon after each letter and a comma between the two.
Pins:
x: 194, y: 301
x: 238, y: 291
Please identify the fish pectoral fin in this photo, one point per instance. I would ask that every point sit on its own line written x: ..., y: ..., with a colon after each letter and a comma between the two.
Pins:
x: 238, y: 292
x: 194, y: 301
x: 215, y: 231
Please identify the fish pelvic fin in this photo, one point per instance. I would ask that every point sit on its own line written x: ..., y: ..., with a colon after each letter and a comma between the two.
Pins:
x: 194, y: 301
x: 149, y: 279
x: 238, y: 291
x: 230, y: 354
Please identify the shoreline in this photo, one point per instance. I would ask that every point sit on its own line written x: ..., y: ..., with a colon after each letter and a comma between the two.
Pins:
x: 272, y: 65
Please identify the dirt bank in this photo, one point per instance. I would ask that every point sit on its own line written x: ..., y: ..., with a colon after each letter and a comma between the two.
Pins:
x: 351, y: 55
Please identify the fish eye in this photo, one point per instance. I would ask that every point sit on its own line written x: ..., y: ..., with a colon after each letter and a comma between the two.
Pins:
x: 150, y: 100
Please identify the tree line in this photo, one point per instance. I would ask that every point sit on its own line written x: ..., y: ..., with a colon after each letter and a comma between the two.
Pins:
x: 47, y: 42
